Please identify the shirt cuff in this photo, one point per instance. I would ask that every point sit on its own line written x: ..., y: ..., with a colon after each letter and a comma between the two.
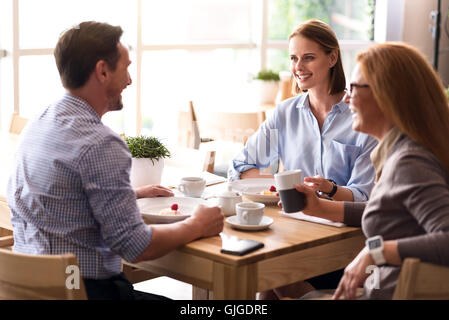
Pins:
x: 234, y: 174
x: 138, y: 243
x: 358, y: 195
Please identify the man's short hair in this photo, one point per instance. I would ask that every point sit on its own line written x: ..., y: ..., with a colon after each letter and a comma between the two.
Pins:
x: 81, y: 47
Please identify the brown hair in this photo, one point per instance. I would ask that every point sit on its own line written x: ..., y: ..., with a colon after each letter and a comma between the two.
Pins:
x: 322, y: 34
x: 81, y: 47
x: 409, y: 93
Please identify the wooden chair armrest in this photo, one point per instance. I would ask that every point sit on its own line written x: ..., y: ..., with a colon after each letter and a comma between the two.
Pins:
x: 6, y: 241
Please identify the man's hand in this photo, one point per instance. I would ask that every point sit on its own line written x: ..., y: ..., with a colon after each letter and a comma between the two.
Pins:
x: 208, y: 221
x: 151, y: 191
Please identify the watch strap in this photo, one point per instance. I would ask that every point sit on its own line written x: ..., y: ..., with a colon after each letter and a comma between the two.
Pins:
x: 334, y: 188
x: 378, y: 257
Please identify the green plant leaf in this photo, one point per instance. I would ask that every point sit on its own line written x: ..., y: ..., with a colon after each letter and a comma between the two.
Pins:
x: 267, y: 75
x: 147, y: 147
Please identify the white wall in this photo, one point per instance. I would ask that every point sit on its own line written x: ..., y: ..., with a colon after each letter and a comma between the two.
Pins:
x: 415, y: 31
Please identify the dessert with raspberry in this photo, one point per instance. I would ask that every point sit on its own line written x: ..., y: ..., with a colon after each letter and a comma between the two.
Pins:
x: 173, y: 210
x: 270, y: 192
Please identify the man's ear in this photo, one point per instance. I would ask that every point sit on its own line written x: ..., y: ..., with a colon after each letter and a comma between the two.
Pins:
x: 333, y: 57
x: 101, y: 71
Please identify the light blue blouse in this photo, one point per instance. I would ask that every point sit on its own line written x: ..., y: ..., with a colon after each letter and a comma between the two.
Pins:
x: 292, y: 134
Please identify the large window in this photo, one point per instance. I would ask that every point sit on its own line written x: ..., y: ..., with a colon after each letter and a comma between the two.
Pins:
x: 352, y: 21
x: 200, y: 50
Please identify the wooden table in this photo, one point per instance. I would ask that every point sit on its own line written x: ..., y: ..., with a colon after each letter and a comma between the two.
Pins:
x: 294, y: 250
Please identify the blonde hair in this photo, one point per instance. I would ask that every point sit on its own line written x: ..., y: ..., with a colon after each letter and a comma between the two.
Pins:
x: 322, y: 34
x: 409, y: 93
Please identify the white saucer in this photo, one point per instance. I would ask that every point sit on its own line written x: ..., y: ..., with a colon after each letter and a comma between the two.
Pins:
x: 264, y: 223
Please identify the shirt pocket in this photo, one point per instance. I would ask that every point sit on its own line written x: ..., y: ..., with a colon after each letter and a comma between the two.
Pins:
x: 342, y: 159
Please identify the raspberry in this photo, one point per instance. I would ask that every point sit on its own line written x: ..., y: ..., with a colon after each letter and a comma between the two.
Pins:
x: 272, y: 188
x: 174, y: 206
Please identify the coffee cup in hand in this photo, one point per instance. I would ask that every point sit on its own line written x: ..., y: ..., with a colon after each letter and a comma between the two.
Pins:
x: 292, y: 200
x: 249, y: 213
x: 192, y: 186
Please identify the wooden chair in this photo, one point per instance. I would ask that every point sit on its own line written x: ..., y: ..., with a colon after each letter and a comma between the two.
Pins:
x: 421, y: 281
x: 188, y: 129
x: 43, y: 277
x: 228, y: 127
x: 18, y: 123
x: 26, y: 277
x: 231, y: 126
x: 5, y: 220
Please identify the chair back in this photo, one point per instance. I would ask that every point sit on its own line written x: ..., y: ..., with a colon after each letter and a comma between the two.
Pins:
x: 5, y: 219
x: 43, y: 277
x: 422, y: 281
x: 17, y: 124
x: 231, y: 126
x: 188, y: 130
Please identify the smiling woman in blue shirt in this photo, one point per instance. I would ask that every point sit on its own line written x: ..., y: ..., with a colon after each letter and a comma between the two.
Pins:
x: 313, y: 131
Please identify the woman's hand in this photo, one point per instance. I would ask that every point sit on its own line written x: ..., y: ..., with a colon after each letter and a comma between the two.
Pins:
x: 313, y: 204
x: 317, y: 207
x: 354, y: 276
x: 319, y: 183
x: 151, y: 191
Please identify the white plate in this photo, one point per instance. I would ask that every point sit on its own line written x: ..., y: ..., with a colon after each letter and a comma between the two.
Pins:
x: 264, y: 223
x: 150, y: 208
x: 251, y: 189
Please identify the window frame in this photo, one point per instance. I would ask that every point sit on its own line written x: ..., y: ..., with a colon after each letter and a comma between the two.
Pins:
x: 384, y: 24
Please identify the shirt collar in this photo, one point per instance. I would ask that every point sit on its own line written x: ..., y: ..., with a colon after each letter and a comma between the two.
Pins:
x: 81, y: 104
x: 303, y: 103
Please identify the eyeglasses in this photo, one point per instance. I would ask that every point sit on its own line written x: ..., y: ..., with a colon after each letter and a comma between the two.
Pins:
x: 355, y: 85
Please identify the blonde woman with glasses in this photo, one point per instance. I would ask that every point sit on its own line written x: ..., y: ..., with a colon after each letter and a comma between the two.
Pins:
x: 396, y: 97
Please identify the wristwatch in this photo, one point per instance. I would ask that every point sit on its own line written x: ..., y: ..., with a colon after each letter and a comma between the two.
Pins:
x: 334, y: 189
x: 375, y: 247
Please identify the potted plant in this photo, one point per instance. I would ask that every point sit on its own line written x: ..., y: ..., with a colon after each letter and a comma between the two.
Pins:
x: 148, y: 155
x: 267, y: 86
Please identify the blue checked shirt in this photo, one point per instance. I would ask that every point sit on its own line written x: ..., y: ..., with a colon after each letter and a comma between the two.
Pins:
x: 292, y: 133
x: 70, y: 191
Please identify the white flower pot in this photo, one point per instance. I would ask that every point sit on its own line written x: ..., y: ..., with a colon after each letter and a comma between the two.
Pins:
x: 144, y: 172
x: 266, y: 91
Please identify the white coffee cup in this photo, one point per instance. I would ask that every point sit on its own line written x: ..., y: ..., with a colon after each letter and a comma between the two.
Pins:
x: 192, y: 186
x: 249, y: 213
x: 292, y: 200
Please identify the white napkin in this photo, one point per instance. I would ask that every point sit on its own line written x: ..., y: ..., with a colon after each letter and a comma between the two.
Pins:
x: 301, y: 216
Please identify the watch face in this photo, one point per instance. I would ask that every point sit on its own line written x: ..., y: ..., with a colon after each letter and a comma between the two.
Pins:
x: 373, y: 244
